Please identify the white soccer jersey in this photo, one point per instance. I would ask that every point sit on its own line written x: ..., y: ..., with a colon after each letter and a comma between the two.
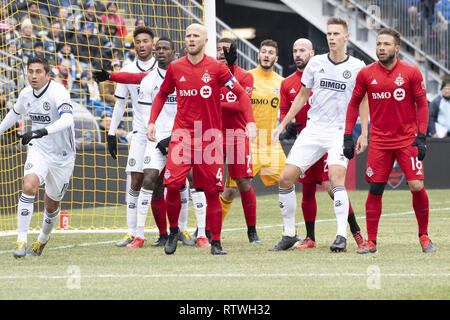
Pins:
x: 44, y: 108
x: 150, y: 86
x: 332, y: 86
x: 141, y: 114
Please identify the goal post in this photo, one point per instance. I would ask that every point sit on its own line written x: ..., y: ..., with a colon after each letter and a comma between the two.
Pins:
x: 95, y: 198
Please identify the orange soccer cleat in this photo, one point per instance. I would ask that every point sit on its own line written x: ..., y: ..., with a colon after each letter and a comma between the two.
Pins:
x: 427, y: 245
x: 359, y: 238
x: 307, y: 244
x: 369, y: 246
x: 136, y: 243
x: 203, y: 242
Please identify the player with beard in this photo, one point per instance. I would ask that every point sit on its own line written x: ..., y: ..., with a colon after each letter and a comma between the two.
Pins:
x: 398, y: 125
x: 268, y: 158
x: 318, y: 173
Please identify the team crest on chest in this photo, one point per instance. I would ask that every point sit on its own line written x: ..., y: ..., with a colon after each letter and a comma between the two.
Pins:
x: 347, y: 74
x: 399, y: 80
x: 206, y: 77
x: 46, y: 106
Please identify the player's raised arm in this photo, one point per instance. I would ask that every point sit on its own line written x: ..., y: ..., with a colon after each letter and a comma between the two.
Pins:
x: 246, y: 83
x: 119, y: 77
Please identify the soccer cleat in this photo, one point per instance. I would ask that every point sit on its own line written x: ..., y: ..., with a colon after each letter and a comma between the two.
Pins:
x: 427, y: 245
x: 36, y: 249
x: 126, y: 240
x: 186, y: 238
x: 171, y: 245
x: 216, y: 249
x: 21, y: 249
x: 161, y: 240
x: 368, y: 247
x: 339, y: 245
x: 203, y: 242
x: 359, y: 238
x: 286, y: 243
x: 137, y: 242
x: 253, y: 237
x: 307, y: 244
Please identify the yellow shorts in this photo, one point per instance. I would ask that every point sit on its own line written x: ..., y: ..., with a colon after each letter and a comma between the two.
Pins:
x: 268, y: 165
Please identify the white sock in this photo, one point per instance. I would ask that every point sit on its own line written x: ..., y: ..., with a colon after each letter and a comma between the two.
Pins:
x: 182, y: 219
x: 144, y: 200
x: 24, y: 214
x: 199, y: 201
x: 50, y: 220
x: 132, y: 198
x: 341, y: 206
x: 288, y: 205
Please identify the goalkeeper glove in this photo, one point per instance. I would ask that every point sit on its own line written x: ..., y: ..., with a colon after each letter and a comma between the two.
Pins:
x: 163, y: 145
x: 100, y: 76
x: 35, y: 134
x: 112, y: 146
x: 290, y: 131
x: 230, y: 54
x: 421, y: 144
x: 349, y: 146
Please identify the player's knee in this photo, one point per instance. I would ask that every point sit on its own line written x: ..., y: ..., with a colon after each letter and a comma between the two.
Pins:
x: 148, y: 183
x: 230, y: 193
x: 286, y: 181
x: 30, y: 187
x: 243, y: 184
x: 377, y: 189
x: 415, y: 185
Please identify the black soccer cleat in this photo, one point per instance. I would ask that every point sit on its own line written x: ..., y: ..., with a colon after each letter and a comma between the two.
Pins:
x: 161, y: 240
x: 171, y: 245
x: 339, y: 245
x: 286, y: 243
x: 216, y: 249
x: 253, y: 237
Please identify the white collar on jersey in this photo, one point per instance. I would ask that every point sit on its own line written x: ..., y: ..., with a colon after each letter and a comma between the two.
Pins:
x: 144, y: 65
x: 41, y: 91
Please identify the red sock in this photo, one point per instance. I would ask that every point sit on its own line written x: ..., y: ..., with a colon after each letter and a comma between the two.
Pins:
x: 421, y: 208
x: 159, y: 213
x: 173, y: 204
x: 248, y: 200
x: 373, y: 214
x: 213, y: 214
x: 309, y: 204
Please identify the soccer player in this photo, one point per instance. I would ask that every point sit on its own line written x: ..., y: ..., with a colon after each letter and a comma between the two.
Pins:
x: 51, y: 154
x: 198, y: 80
x: 267, y: 158
x: 143, y: 43
x: 331, y: 77
x: 318, y: 173
x: 398, y: 125
x: 237, y: 147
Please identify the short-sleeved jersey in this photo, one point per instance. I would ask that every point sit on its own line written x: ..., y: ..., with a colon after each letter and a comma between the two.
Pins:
x: 392, y: 107
x: 141, y: 114
x: 290, y: 87
x: 150, y: 87
x: 332, y: 84
x: 198, y: 90
x: 265, y: 100
x: 45, y: 107
x: 232, y: 119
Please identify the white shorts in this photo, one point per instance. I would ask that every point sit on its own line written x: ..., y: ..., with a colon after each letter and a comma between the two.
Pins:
x: 153, y: 158
x: 55, y: 178
x: 136, y: 152
x: 312, y: 144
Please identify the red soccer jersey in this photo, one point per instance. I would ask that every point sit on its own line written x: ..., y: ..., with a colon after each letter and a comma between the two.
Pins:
x: 290, y: 87
x: 233, y: 117
x: 391, y: 94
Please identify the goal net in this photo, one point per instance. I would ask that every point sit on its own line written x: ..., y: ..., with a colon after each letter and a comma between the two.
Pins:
x: 78, y: 37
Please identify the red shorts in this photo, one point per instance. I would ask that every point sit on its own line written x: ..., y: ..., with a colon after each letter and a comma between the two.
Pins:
x: 207, y: 166
x: 318, y: 173
x: 239, y: 158
x: 381, y: 161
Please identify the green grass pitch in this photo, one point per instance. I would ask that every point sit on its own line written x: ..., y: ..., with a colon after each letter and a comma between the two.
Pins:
x: 89, y: 266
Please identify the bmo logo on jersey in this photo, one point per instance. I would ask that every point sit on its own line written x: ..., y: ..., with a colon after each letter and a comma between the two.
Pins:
x: 230, y: 97
x: 188, y: 93
x: 399, y: 95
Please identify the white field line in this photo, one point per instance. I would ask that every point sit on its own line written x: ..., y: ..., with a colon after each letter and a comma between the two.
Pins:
x: 155, y: 230
x: 227, y: 275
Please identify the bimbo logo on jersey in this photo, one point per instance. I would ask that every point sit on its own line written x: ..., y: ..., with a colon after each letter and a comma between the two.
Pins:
x: 40, y: 118
x: 333, y: 85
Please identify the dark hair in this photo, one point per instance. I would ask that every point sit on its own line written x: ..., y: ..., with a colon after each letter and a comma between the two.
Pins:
x: 269, y: 43
x: 339, y: 21
x: 445, y: 83
x: 146, y: 30
x: 172, y: 45
x: 40, y: 60
x: 226, y: 40
x: 392, y: 32
x: 139, y: 19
